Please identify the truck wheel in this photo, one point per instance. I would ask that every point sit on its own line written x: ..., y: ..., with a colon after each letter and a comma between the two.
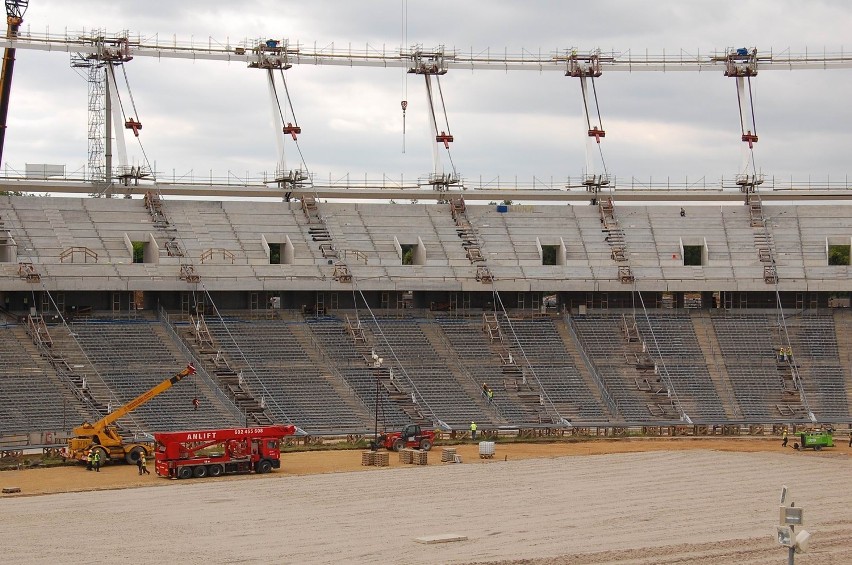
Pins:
x: 425, y: 444
x: 199, y: 472
x: 134, y: 455
x: 185, y: 472
x: 263, y: 466
x: 398, y: 445
x: 215, y: 470
x: 817, y: 447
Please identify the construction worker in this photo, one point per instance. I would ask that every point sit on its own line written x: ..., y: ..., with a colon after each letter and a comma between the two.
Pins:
x: 90, y: 458
x: 473, y: 431
x: 784, y: 436
x: 790, y: 354
x: 143, y: 464
x: 195, y: 403
x: 96, y: 460
x: 490, y: 395
x: 139, y: 463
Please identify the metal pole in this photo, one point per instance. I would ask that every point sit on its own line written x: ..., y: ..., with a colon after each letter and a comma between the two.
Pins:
x: 791, y: 551
x: 376, y: 426
x: 107, y: 129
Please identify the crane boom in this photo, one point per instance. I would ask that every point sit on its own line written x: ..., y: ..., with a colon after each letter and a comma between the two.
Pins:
x: 14, y: 17
x: 140, y: 400
x: 104, y: 437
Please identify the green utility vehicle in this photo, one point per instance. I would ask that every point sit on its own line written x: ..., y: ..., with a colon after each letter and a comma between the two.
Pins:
x: 816, y: 440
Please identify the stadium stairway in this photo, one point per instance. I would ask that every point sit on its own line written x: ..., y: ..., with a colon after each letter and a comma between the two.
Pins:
x: 197, y: 337
x: 706, y: 336
x: 583, y: 371
x: 468, y: 382
x: 315, y: 352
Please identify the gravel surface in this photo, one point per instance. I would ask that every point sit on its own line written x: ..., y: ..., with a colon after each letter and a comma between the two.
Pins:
x: 695, y: 506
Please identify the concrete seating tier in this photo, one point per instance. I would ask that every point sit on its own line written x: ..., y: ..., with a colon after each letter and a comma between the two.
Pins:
x: 472, y: 346
x: 130, y: 357
x: 29, y: 399
x: 403, y: 343
x: 330, y: 332
x: 278, y: 371
x: 550, y: 361
x: 749, y: 342
x: 601, y: 338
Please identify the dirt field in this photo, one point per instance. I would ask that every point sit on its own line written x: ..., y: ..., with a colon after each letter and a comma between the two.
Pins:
x: 638, y: 502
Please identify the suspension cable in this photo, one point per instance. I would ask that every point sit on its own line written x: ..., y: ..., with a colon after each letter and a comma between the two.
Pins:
x: 585, y: 101
x: 248, y: 364
x: 111, y: 395
x: 751, y: 104
x: 130, y: 92
x: 443, y: 105
x: 740, y: 106
x: 287, y: 94
x: 597, y: 105
x: 111, y: 69
x: 542, y: 391
x: 665, y: 372
x: 431, y: 101
x: 387, y: 344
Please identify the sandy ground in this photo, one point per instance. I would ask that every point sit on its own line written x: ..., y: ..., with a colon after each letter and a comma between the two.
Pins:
x: 638, y: 502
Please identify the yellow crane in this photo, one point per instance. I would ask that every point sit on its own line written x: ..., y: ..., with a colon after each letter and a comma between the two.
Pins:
x: 14, y: 18
x: 103, y: 438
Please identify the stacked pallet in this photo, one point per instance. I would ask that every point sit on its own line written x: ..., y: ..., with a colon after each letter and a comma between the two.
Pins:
x: 419, y: 457
x: 368, y: 458
x: 406, y: 455
x: 448, y: 455
x: 382, y: 459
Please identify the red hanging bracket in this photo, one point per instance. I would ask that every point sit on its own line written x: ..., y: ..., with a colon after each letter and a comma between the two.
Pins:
x: 597, y: 133
x: 292, y: 130
x: 750, y: 138
x: 134, y: 125
x: 445, y: 138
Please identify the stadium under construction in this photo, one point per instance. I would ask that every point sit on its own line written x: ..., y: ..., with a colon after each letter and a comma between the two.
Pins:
x: 677, y: 310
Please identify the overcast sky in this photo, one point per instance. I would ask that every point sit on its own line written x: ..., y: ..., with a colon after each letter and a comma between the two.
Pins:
x: 215, y: 115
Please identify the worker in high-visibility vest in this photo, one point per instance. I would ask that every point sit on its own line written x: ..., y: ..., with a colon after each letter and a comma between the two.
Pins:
x: 473, y: 431
x: 90, y: 457
x: 96, y: 460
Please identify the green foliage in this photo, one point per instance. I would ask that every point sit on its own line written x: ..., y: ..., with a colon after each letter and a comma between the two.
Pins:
x: 838, y: 254
x: 548, y: 254
x: 138, y: 251
x: 407, y: 254
x: 507, y: 202
x: 274, y: 253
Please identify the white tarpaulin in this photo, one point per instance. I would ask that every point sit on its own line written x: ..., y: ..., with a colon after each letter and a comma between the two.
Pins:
x: 44, y: 171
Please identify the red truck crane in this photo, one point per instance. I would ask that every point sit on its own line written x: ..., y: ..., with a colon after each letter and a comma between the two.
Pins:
x: 183, y: 455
